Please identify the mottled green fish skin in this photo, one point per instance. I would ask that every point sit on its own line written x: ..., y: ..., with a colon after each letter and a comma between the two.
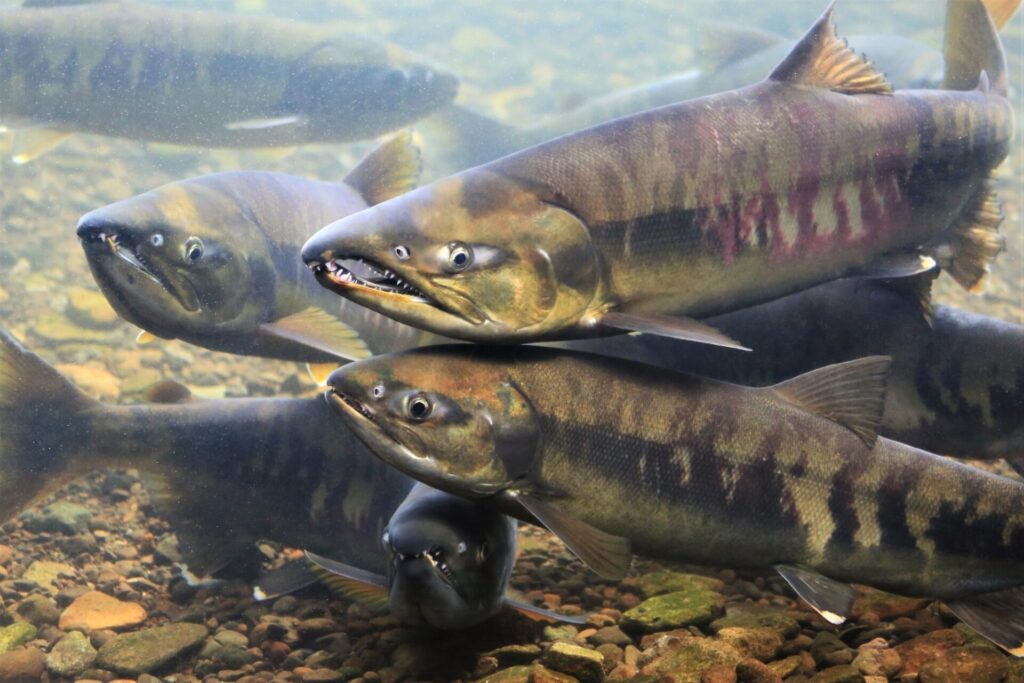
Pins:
x: 252, y: 225
x: 695, y: 209
x: 700, y: 471
x: 140, y: 71
x: 225, y: 472
x: 956, y: 386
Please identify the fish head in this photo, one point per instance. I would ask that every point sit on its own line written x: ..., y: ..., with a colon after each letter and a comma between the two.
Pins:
x: 476, y: 256
x: 450, y: 420
x: 450, y: 562
x: 172, y: 259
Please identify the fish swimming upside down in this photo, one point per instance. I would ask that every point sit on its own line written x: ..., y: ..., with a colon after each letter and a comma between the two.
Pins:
x: 614, y: 456
x: 701, y: 207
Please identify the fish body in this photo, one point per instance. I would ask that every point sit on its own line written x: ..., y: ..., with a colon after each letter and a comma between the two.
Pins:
x: 697, y: 208
x: 614, y: 456
x: 145, y: 72
x: 214, y: 468
x: 214, y: 261
x: 956, y: 385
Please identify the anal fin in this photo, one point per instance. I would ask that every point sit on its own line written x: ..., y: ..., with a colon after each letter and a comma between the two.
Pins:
x: 350, y: 582
x: 998, y: 616
x: 851, y: 394
x: 607, y: 554
x: 686, y: 329
x: 318, y: 330
x: 829, y: 598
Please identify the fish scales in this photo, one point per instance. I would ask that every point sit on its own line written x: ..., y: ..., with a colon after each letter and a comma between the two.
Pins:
x: 674, y: 195
x: 723, y: 475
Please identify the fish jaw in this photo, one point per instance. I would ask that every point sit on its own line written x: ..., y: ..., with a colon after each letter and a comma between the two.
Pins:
x: 140, y: 292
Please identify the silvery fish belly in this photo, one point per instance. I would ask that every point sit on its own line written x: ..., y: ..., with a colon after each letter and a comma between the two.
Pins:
x: 679, y: 467
x: 204, y: 78
x: 699, y: 208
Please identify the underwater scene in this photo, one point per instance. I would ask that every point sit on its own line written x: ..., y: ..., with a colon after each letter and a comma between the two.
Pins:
x: 511, y: 341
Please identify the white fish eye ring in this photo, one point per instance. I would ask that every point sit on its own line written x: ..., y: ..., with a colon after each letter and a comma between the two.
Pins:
x: 402, y: 252
x: 378, y: 391
x: 156, y: 239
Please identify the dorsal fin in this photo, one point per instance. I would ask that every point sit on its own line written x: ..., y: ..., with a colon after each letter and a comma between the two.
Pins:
x: 167, y: 391
x: 851, y: 394
x: 823, y: 60
x: 721, y: 44
x: 1001, y: 11
x: 388, y: 171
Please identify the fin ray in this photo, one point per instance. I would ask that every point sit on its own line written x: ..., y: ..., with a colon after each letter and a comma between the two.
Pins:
x: 686, y: 329
x: 350, y: 582
x: 319, y: 330
x: 851, y: 394
x: 998, y: 616
x: 822, y: 60
x: 829, y: 598
x: 388, y: 171
x: 608, y: 555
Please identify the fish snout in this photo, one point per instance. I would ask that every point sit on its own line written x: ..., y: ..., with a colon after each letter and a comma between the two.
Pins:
x: 95, y: 228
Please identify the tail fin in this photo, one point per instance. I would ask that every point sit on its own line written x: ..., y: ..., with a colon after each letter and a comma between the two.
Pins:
x: 972, y: 44
x: 39, y: 425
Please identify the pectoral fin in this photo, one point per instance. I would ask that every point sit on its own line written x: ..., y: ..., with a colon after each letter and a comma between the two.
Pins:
x: 288, y: 578
x: 608, y: 555
x: 319, y: 372
x: 851, y: 394
x: 998, y: 616
x: 831, y: 599
x: 541, y: 614
x: 900, y: 265
x: 317, y: 329
x: 349, y: 582
x: 32, y: 143
x: 686, y: 329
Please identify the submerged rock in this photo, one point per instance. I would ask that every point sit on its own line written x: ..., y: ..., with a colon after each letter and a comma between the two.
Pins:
x: 89, y: 308
x: 585, y: 665
x: 693, y: 607
x: 61, y: 517
x: 94, y: 611
x: 150, y: 649
x: 658, y: 583
x: 38, y: 610
x: 72, y: 655
x: 978, y: 664
x: 16, y: 634
x: 24, y: 665
x: 688, y: 659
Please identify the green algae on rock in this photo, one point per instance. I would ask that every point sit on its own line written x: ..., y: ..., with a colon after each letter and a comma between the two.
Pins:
x: 693, y: 607
x: 72, y: 655
x: 150, y: 649
x: 16, y: 634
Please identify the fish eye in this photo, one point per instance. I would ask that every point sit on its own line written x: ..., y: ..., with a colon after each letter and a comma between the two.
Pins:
x: 377, y: 391
x: 386, y: 539
x: 156, y: 239
x: 461, y: 548
x: 193, y: 249
x: 402, y: 252
x: 482, y: 552
x: 418, y: 408
x: 460, y: 257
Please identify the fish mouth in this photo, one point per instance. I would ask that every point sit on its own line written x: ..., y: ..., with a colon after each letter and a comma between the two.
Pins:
x: 129, y: 253
x: 435, y: 558
x: 348, y: 405
x: 378, y: 287
x: 356, y: 272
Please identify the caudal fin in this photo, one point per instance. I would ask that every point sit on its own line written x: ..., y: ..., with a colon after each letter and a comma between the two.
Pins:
x: 972, y: 45
x: 40, y: 425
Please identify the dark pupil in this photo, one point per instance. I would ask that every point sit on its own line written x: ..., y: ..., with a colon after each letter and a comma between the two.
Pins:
x: 194, y: 253
x: 418, y: 408
x: 460, y: 258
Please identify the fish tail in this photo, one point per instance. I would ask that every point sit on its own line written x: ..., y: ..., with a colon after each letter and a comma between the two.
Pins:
x: 973, y: 52
x: 41, y: 421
